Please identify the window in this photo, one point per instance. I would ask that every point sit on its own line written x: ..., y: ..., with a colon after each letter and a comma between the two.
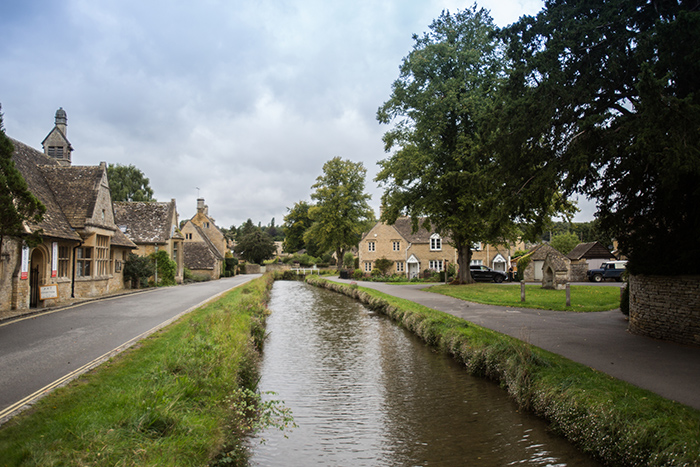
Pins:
x: 102, y: 255
x: 399, y: 266
x: 188, y: 236
x: 435, y: 243
x: 368, y: 266
x: 83, y: 262
x: 476, y: 246
x: 56, y: 151
x: 436, y: 265
x: 63, y: 261
x: 396, y: 246
x: 371, y: 246
x: 477, y: 262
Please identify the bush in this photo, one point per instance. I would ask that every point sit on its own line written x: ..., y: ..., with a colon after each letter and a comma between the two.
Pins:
x: 166, y: 267
x: 348, y: 260
x: 190, y: 276
x: 138, y: 269
x: 383, y: 265
x: 230, y: 266
x: 625, y: 299
x: 358, y: 274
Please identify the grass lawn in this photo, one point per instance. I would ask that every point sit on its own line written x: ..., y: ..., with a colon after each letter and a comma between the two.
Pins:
x: 583, y: 297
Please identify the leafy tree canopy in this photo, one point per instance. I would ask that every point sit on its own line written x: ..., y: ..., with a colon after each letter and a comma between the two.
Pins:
x: 18, y: 206
x: 605, y: 97
x: 341, y: 212
x: 565, y: 242
x: 256, y: 246
x: 128, y: 183
x: 443, y: 168
x: 296, y: 223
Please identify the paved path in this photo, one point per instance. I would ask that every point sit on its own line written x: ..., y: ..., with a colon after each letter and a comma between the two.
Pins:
x: 598, y: 340
x: 43, y: 351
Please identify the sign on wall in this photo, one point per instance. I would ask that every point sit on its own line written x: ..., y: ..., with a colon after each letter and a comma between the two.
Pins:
x: 47, y: 292
x: 24, y: 271
x: 54, y: 259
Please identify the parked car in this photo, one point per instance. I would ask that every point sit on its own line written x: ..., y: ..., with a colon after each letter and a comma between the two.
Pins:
x: 484, y: 273
x: 609, y: 270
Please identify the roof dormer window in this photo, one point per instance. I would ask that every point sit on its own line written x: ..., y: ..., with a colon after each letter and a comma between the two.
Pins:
x: 435, y: 242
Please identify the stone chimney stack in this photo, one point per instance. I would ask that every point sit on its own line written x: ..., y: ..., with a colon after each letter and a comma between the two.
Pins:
x: 201, y: 207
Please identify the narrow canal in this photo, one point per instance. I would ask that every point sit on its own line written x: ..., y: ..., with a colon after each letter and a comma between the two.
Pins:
x: 364, y: 392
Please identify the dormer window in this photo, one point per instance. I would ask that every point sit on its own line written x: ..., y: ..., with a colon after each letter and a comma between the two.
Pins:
x: 56, y: 151
x: 435, y: 242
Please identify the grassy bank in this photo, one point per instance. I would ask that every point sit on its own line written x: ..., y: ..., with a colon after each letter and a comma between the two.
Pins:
x: 614, y: 421
x: 180, y: 397
x: 583, y: 297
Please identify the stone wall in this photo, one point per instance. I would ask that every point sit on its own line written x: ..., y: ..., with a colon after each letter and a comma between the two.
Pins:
x: 666, y: 307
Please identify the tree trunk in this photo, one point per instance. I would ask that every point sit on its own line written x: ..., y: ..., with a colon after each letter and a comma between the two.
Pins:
x: 339, y: 253
x: 464, y: 258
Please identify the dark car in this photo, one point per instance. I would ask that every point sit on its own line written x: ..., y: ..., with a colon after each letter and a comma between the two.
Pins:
x: 609, y: 270
x: 486, y: 274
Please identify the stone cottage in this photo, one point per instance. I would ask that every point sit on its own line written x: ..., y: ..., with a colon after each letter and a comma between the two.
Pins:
x: 82, y: 250
x: 205, y: 246
x: 152, y: 226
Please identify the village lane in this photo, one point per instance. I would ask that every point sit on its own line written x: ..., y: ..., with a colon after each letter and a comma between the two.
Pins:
x: 40, y: 351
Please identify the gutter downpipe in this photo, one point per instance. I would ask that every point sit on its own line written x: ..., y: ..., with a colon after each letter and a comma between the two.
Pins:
x: 75, y: 264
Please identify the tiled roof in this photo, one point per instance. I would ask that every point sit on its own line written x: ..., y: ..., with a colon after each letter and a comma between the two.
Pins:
x: 198, y: 255
x: 146, y: 222
x: 31, y: 163
x: 119, y: 239
x: 590, y: 251
x: 540, y: 252
x: 215, y: 251
x: 75, y: 189
x: 404, y: 226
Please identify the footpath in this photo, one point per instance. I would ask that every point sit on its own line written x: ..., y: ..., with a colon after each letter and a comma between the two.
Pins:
x: 599, y: 340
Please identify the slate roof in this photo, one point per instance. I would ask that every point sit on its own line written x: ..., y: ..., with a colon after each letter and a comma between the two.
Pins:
x: 590, y: 250
x: 75, y: 189
x: 119, y: 239
x: 404, y: 226
x: 198, y: 255
x: 31, y: 163
x: 146, y: 221
x: 215, y: 251
x: 540, y: 252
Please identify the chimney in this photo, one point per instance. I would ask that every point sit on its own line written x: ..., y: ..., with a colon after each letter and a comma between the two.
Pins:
x: 201, y: 207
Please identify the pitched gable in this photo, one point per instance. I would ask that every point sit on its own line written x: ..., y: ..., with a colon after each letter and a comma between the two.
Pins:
x: 76, y: 190
x: 30, y: 163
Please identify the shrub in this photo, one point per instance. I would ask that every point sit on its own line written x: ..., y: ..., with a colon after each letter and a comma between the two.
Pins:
x: 625, y: 299
x: 165, y: 267
x: 138, y: 269
x: 358, y: 274
x: 348, y: 260
x: 383, y: 265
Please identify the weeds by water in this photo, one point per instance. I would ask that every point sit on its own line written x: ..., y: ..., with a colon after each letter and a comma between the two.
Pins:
x: 612, y: 420
x: 184, y: 397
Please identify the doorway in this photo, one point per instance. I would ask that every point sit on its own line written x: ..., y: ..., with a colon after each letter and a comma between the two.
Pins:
x: 36, y: 267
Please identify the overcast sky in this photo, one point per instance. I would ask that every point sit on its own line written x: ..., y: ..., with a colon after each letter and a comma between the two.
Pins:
x: 245, y: 100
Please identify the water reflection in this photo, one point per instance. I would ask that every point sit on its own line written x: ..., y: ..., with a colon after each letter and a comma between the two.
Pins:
x: 365, y: 392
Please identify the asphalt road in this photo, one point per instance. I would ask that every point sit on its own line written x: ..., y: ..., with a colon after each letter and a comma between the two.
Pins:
x: 43, y: 351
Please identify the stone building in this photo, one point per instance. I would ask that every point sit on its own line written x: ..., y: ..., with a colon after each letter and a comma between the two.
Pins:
x: 205, y: 246
x: 82, y: 250
x: 587, y: 256
x: 152, y: 226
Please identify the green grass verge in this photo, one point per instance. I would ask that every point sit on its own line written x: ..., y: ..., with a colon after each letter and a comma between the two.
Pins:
x: 612, y: 420
x: 583, y: 297
x: 178, y: 398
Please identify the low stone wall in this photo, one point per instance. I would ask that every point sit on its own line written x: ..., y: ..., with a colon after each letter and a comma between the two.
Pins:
x: 666, y: 307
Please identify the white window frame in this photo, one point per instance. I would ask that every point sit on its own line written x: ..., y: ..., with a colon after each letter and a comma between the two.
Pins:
x: 435, y: 242
x: 368, y: 266
x: 396, y: 245
x: 435, y: 265
x: 399, y: 266
x: 372, y: 246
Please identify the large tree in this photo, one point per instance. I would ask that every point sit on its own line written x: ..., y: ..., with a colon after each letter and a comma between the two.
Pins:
x: 296, y: 223
x: 605, y: 97
x: 256, y: 246
x: 128, y: 183
x: 341, y: 211
x: 18, y: 206
x: 443, y: 169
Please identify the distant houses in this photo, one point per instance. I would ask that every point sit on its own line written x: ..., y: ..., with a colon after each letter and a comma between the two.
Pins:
x: 205, y: 246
